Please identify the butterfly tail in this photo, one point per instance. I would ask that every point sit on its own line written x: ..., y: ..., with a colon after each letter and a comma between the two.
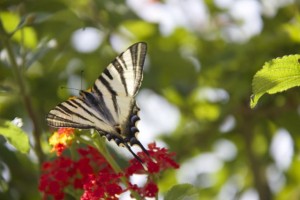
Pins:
x: 136, y: 156
x: 135, y: 141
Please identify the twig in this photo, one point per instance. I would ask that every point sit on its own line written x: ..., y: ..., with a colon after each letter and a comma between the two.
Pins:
x: 24, y: 93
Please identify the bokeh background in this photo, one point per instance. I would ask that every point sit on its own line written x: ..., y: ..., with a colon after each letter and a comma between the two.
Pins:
x: 202, y: 55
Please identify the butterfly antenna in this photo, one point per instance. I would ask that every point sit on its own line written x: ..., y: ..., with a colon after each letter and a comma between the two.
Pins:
x: 81, y: 74
x: 63, y: 87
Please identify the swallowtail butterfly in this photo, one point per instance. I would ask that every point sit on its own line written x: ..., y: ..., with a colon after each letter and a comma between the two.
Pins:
x: 109, y: 106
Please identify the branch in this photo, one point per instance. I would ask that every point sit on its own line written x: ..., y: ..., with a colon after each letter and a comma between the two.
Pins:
x: 24, y: 93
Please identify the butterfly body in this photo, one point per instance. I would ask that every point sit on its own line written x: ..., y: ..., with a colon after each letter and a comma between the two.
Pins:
x: 109, y: 106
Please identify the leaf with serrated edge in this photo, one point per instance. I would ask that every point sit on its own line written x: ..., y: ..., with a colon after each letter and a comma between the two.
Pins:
x: 276, y: 76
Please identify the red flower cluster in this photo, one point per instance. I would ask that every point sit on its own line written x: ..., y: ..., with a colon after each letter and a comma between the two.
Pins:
x: 93, y: 175
x: 65, y: 173
x: 102, y: 185
x: 159, y: 160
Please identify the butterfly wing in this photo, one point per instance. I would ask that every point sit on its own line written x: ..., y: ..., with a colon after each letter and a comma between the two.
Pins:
x: 124, y: 74
x: 111, y: 97
x: 76, y: 113
x: 120, y: 82
x: 109, y: 107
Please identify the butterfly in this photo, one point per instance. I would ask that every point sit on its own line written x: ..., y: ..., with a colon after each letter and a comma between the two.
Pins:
x: 109, y: 106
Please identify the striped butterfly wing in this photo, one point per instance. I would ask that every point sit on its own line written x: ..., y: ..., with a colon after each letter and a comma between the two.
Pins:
x: 76, y: 113
x: 109, y: 107
x: 120, y: 82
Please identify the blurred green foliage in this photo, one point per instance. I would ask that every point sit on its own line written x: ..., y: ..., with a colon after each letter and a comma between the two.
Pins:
x: 180, y: 65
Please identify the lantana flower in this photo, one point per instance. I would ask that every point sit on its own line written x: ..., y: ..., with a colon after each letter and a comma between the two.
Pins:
x: 159, y: 160
x: 84, y: 173
x: 91, y: 174
x: 61, y: 139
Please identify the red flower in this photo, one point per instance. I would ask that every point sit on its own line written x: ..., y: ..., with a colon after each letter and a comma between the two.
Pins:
x: 104, y: 185
x: 90, y: 173
x: 150, y: 189
x: 160, y: 159
x: 94, y: 176
x: 55, y: 178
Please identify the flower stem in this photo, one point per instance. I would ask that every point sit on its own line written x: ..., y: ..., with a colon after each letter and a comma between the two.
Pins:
x: 100, y: 145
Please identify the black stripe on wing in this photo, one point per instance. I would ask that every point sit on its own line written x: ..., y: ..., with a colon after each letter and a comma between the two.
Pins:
x: 138, y: 55
x: 116, y: 64
x: 134, y: 56
x: 69, y: 112
x: 57, y: 121
x: 108, y: 74
x: 98, y: 102
x: 81, y: 105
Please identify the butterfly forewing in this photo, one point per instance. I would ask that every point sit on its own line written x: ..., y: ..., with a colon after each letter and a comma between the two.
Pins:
x: 109, y: 107
x: 120, y: 81
x: 124, y: 75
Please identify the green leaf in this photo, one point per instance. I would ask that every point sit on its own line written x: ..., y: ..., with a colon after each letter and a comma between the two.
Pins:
x: 27, y: 36
x: 276, y: 76
x: 10, y: 21
x: 182, y: 191
x: 15, y: 136
x: 293, y: 29
x: 14, y: 26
